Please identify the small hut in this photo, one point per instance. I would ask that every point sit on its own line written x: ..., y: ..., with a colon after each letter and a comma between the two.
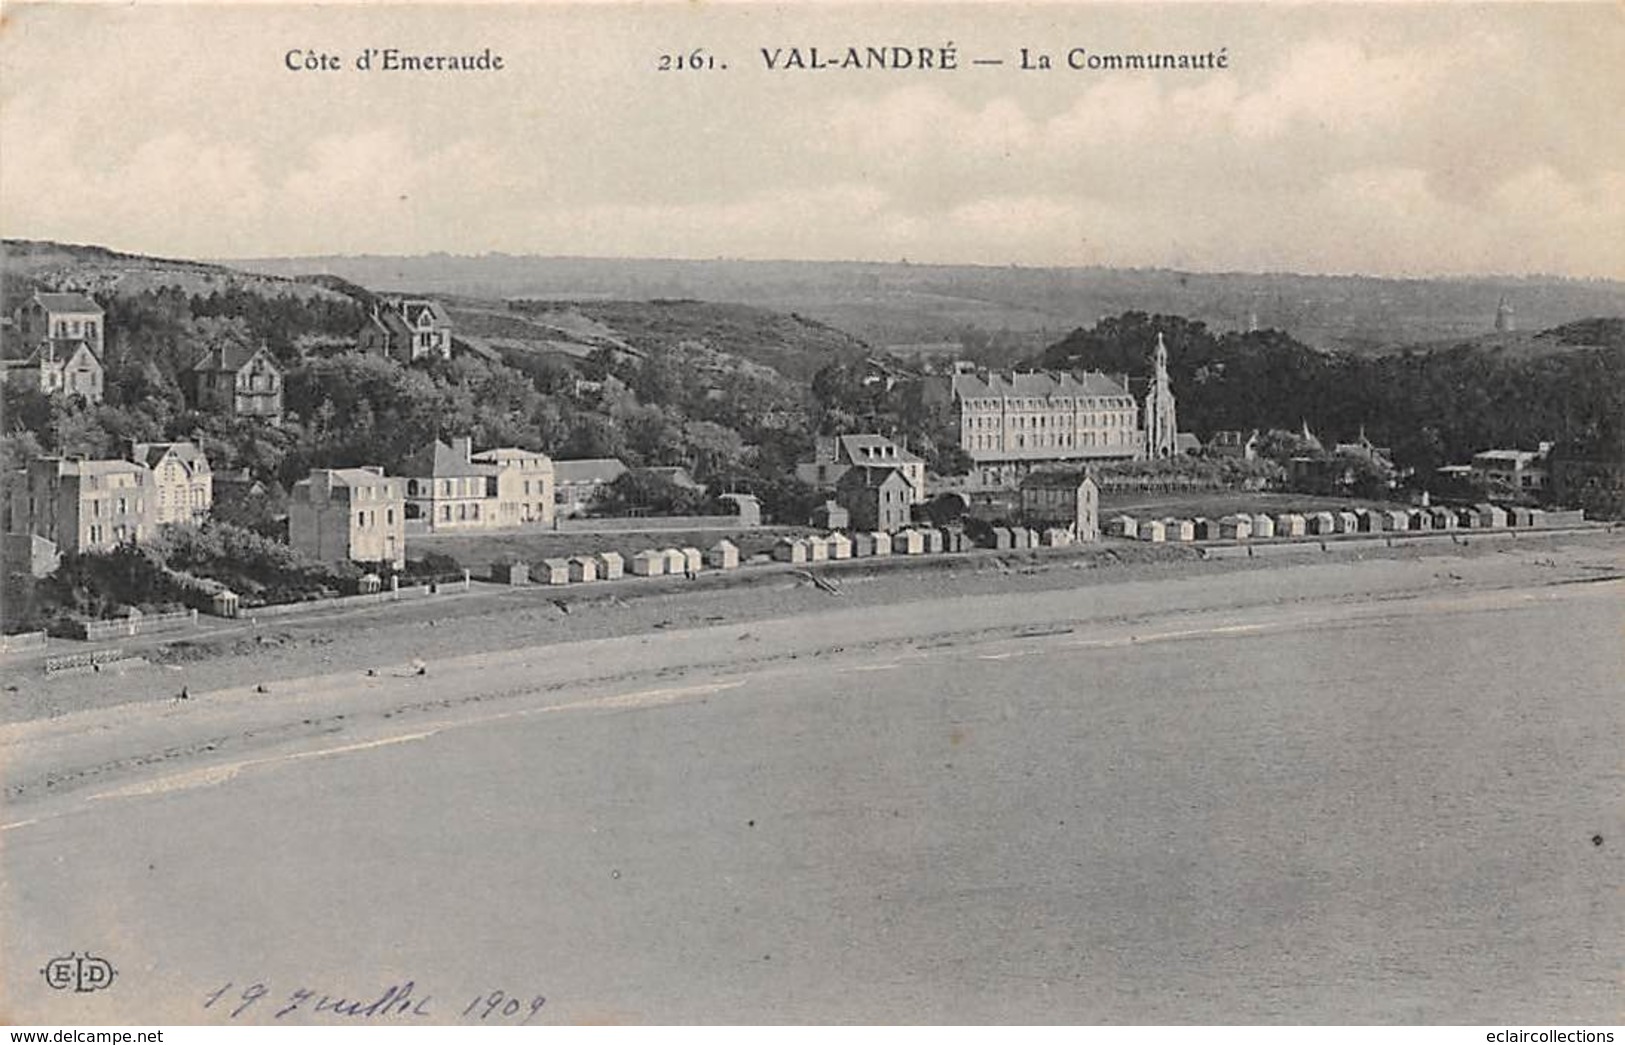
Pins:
x: 1263, y: 525
x: 1206, y: 529
x: 790, y: 549
x: 583, y: 568
x: 676, y: 561
x: 648, y: 563
x: 1440, y: 518
x: 1179, y: 529
x: 817, y: 549
x: 863, y: 545
x: 839, y: 545
x: 723, y: 555
x: 1348, y: 522
x: 693, y: 559
x: 1291, y: 524
x: 554, y: 571
x: 935, y: 544
x: 1153, y: 531
x: 1057, y: 537
x: 1003, y: 540
x: 1323, y: 524
x: 1236, y: 527
x: 225, y: 603
x: 957, y: 540
x: 611, y: 567
x: 909, y: 542
x: 510, y: 572
x: 882, y: 542
x: 1123, y: 526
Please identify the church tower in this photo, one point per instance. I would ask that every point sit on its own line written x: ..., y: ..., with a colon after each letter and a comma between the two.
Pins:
x: 1160, y: 425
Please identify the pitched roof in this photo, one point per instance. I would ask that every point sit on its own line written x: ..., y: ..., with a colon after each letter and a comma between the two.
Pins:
x: 229, y: 357
x: 1054, y: 479
x: 439, y: 460
x: 414, y: 308
x: 1036, y: 385
x: 588, y: 470
x: 873, y: 478
x: 67, y: 302
x: 186, y: 452
x: 874, y: 449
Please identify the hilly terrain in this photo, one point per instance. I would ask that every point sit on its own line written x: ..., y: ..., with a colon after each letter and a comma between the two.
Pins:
x: 1000, y: 314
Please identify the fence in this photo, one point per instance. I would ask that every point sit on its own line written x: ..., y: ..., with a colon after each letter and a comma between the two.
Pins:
x: 136, y: 624
x: 82, y: 661
x: 292, y: 609
x: 26, y: 642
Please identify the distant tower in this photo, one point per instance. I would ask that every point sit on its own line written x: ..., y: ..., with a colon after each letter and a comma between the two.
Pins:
x: 1503, y: 317
x: 1160, y: 425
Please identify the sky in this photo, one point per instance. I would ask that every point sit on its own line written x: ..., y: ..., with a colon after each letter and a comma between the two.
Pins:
x: 1405, y: 139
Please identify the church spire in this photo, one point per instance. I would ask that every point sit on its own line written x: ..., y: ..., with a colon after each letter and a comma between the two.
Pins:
x: 1160, y: 424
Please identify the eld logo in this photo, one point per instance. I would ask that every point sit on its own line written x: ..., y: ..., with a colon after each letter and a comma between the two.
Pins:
x: 84, y: 973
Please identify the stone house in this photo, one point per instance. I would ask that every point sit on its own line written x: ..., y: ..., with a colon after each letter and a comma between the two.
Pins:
x: 233, y: 379
x: 181, y: 478
x: 349, y: 514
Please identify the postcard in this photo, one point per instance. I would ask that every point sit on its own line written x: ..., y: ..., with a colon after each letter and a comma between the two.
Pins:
x: 732, y: 513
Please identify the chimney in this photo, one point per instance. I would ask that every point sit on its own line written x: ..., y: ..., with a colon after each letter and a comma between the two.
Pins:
x: 463, y: 446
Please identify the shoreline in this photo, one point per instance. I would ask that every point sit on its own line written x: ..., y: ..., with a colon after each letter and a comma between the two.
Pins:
x: 492, y: 619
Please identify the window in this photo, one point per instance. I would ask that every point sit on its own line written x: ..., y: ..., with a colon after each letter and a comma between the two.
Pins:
x: 389, y: 516
x: 361, y: 518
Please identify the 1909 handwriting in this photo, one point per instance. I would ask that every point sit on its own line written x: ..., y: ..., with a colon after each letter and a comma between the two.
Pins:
x: 397, y: 1001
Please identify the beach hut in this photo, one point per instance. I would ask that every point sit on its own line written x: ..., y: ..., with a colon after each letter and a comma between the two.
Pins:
x: 882, y: 542
x: 554, y: 571
x: 1034, y: 538
x: 909, y: 542
x: 648, y: 563
x: 1291, y: 524
x: 1123, y: 526
x: 611, y: 567
x: 1517, y: 515
x: 1537, y: 518
x: 675, y: 561
x: 935, y: 543
x: 1322, y: 524
x: 1018, y: 538
x: 817, y: 549
x: 1417, y: 519
x: 723, y: 555
x: 1236, y: 527
x: 693, y: 558
x: 956, y: 540
x: 1154, y: 531
x: 1367, y: 521
x: 1206, y: 529
x: 1393, y: 519
x: 1263, y: 525
x: 1440, y: 518
x: 790, y: 549
x: 583, y: 568
x: 1057, y: 537
x: 225, y: 603
x: 1492, y: 516
x: 369, y: 584
x: 510, y: 572
x: 1179, y: 529
x: 863, y: 545
x: 1348, y: 522
x: 839, y: 544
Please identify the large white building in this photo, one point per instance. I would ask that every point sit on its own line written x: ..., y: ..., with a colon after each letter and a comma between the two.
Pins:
x: 1009, y: 423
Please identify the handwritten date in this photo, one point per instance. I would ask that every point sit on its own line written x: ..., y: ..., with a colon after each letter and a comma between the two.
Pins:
x: 397, y: 1001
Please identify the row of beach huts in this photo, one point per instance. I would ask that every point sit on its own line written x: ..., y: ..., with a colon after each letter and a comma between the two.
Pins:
x: 1242, y: 526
